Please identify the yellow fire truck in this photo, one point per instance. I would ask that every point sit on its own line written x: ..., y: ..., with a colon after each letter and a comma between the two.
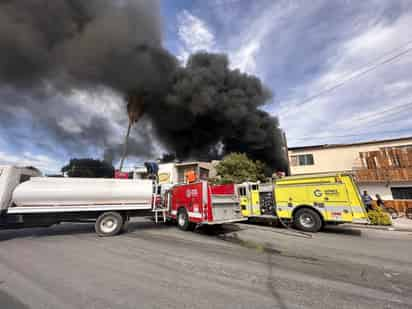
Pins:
x: 309, y: 202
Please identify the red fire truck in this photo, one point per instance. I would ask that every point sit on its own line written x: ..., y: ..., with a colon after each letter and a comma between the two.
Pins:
x: 202, y: 203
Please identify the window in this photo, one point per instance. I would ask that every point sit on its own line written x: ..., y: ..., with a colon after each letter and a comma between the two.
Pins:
x: 402, y: 193
x: 204, y: 173
x: 242, y: 191
x: 255, y: 187
x: 305, y: 159
x: 24, y: 178
x: 1, y: 171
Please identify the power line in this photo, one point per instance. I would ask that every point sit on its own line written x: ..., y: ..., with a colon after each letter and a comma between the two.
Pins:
x: 390, y: 113
x: 367, y: 69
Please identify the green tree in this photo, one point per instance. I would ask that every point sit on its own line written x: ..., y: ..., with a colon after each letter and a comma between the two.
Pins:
x: 88, y: 168
x: 237, y: 168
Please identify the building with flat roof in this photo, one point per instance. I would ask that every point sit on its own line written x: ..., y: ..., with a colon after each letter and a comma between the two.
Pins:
x: 174, y: 172
x: 381, y: 166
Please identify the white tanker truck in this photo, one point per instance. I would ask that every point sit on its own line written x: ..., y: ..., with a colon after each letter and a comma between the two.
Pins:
x: 28, y: 200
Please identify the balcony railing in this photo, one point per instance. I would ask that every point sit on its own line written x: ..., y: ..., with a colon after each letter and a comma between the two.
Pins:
x: 381, y: 175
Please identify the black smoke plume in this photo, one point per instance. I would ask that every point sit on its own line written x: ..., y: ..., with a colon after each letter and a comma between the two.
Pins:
x: 50, y: 48
x: 211, y: 110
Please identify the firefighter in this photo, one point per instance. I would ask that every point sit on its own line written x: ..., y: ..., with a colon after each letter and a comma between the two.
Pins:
x: 191, y: 176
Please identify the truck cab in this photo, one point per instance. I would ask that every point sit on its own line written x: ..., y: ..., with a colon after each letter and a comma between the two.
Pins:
x: 10, y: 178
x: 249, y: 198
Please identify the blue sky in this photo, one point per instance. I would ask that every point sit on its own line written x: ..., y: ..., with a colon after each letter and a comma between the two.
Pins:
x: 300, y: 49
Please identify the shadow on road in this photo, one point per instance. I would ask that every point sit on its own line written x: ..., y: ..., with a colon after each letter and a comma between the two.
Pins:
x: 72, y: 229
x: 57, y: 230
x: 342, y: 230
x: 147, y: 225
x: 329, y: 229
x: 216, y: 230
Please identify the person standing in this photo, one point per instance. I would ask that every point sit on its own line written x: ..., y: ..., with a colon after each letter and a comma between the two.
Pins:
x: 379, y: 201
x: 367, y: 200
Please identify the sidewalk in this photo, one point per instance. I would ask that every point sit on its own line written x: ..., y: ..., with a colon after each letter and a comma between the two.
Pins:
x: 400, y: 224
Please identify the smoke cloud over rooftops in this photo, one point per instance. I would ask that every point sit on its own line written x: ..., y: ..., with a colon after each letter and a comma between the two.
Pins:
x: 50, y: 49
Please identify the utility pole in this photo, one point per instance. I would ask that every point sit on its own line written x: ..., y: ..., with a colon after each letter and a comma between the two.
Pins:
x: 135, y: 111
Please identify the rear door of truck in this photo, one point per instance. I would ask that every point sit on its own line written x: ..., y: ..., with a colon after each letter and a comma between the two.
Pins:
x: 359, y: 213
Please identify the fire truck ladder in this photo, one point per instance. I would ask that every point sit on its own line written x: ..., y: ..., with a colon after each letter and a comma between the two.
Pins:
x: 159, y: 208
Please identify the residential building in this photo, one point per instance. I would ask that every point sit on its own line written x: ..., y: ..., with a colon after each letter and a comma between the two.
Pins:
x: 381, y: 167
x: 175, y: 172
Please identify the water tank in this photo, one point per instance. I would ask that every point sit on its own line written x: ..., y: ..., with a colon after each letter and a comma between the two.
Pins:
x: 43, y: 191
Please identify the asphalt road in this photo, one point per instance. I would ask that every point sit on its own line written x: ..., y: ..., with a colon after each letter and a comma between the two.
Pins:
x: 239, y: 266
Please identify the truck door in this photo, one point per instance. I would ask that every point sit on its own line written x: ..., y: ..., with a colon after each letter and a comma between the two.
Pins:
x: 360, y: 215
x: 244, y: 200
x: 254, y: 199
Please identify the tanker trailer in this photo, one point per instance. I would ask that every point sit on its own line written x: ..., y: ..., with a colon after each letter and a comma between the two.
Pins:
x: 44, y: 201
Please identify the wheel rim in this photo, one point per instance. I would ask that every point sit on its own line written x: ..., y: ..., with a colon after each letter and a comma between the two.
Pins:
x: 108, y: 225
x: 181, y: 219
x: 307, y: 221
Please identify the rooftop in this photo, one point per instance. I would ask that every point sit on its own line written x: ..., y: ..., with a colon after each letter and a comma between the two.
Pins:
x: 326, y: 146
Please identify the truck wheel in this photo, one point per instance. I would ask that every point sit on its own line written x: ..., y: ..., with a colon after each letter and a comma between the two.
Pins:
x: 109, y: 224
x: 307, y: 220
x: 183, y: 222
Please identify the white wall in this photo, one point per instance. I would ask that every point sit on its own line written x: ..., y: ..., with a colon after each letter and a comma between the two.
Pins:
x: 382, y: 189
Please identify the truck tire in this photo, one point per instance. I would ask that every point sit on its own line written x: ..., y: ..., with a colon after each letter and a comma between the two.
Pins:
x: 183, y: 221
x: 109, y: 224
x: 307, y: 220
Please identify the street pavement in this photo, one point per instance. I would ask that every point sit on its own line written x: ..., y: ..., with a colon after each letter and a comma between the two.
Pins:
x: 236, y: 266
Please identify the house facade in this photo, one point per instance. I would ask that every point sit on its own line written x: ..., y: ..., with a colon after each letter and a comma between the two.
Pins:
x: 381, y: 167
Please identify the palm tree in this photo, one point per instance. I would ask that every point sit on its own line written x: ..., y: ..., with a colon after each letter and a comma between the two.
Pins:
x: 135, y: 109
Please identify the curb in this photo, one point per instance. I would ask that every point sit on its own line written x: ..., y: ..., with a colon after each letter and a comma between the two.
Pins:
x: 379, y: 227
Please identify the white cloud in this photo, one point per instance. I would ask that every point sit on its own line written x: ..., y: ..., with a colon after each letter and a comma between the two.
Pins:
x: 246, y: 46
x: 194, y: 34
x: 375, y: 105
x: 70, y: 125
